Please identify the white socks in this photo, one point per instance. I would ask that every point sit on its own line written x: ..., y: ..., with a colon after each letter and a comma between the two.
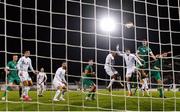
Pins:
x: 25, y: 90
x: 111, y: 82
x: 129, y: 87
x: 40, y: 91
x: 57, y: 94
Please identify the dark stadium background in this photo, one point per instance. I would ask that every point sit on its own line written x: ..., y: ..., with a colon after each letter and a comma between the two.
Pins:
x: 22, y: 32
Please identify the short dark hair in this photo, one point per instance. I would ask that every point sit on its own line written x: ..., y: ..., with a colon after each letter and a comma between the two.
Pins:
x: 64, y: 62
x: 90, y: 59
x: 14, y: 55
x: 144, y: 39
x: 127, y: 49
x: 26, y: 51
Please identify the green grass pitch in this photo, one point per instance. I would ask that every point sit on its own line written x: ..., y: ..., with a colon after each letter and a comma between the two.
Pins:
x: 104, y: 101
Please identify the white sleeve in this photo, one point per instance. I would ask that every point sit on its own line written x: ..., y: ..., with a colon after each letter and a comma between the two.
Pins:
x: 63, y: 79
x: 63, y: 76
x: 19, y: 63
x: 37, y: 78
x: 137, y: 60
x: 58, y: 74
x: 30, y: 66
x: 45, y: 76
x: 120, y: 53
x: 112, y: 58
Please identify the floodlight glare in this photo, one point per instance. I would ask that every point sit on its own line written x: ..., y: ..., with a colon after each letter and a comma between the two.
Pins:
x: 107, y: 24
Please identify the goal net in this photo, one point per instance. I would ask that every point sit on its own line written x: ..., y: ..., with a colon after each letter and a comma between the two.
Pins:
x: 70, y: 30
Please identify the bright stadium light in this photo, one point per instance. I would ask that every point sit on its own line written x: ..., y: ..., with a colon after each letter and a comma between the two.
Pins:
x: 107, y: 24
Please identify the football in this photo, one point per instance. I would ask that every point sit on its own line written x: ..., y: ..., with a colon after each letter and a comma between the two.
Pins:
x: 129, y: 25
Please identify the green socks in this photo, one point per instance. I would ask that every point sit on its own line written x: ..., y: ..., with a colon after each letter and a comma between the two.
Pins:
x: 7, y: 89
x: 92, y: 94
x: 160, y: 89
x: 89, y: 94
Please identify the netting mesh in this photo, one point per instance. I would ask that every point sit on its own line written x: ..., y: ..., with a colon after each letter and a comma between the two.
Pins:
x: 58, y: 30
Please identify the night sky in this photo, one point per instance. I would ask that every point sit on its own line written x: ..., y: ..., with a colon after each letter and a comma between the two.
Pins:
x: 66, y: 30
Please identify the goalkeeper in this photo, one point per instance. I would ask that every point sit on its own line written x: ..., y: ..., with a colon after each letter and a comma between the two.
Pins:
x: 12, y: 77
x: 87, y: 82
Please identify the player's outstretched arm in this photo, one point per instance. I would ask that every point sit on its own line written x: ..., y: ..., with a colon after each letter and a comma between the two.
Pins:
x: 119, y: 53
x: 157, y: 68
x: 138, y: 61
x: 137, y: 55
x: 30, y: 66
x: 45, y: 78
x: 152, y: 55
x: 32, y: 69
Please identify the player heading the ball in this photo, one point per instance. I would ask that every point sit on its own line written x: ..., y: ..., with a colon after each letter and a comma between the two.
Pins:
x: 130, y: 60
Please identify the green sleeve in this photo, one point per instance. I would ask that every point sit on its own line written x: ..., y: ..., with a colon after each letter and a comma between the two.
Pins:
x: 157, y: 63
x: 8, y: 65
x: 139, y: 49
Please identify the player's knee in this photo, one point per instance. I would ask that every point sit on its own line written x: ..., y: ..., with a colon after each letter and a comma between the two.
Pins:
x: 128, y: 79
x: 94, y: 88
x: 159, y: 82
x: 64, y: 88
x: 10, y: 84
x: 114, y: 77
x: 30, y: 83
x: 25, y: 83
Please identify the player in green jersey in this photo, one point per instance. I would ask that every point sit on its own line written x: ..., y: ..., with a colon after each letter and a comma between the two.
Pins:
x: 143, y: 53
x: 12, y: 76
x: 156, y: 73
x: 87, y: 80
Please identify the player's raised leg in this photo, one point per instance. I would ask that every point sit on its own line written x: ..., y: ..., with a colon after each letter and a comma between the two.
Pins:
x: 109, y: 62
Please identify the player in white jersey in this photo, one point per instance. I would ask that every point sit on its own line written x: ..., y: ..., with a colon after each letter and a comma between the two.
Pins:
x: 130, y: 60
x: 59, y: 82
x: 41, y: 79
x: 109, y: 62
x: 23, y: 65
